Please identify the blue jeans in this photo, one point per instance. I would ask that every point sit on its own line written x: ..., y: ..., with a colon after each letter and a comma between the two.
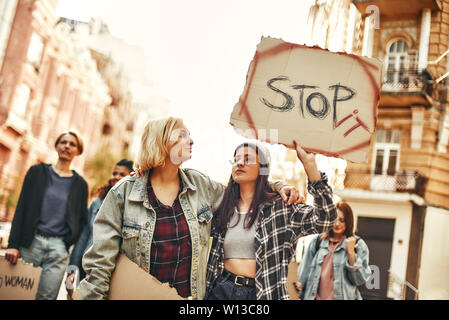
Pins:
x: 51, y: 255
x: 227, y: 290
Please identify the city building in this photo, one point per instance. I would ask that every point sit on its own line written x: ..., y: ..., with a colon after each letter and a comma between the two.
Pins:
x: 49, y: 84
x: 7, y: 10
x: 401, y: 195
x: 334, y: 25
x: 130, y: 62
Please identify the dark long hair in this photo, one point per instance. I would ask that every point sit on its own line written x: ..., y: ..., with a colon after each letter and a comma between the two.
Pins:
x: 103, y: 190
x: 349, y: 221
x: 262, y: 193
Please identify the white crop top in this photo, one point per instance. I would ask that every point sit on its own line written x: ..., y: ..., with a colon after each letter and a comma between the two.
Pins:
x: 239, y: 242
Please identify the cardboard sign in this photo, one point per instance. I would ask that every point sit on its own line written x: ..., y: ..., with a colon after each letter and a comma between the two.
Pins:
x: 19, y: 281
x: 326, y: 101
x: 129, y: 282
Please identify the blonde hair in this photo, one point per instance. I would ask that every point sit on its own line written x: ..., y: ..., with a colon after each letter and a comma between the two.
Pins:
x: 79, y: 141
x: 155, y: 142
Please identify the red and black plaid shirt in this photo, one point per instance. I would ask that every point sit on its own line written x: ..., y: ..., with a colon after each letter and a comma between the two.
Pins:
x: 171, y: 248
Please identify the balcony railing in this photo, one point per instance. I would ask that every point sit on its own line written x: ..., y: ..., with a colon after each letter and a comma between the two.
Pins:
x: 408, y: 80
x: 406, y: 181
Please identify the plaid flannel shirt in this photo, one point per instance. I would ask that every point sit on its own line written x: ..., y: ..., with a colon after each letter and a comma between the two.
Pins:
x: 171, y: 248
x: 278, y: 229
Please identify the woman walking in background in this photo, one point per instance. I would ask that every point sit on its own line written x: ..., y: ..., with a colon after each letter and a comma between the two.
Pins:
x: 50, y: 214
x: 255, y: 233
x: 335, y: 263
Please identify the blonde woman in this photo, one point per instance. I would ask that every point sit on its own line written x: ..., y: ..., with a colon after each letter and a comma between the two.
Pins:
x: 50, y: 214
x: 160, y: 220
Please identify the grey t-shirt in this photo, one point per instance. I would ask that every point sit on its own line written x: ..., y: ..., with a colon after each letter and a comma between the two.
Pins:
x: 54, y: 205
x: 239, y: 242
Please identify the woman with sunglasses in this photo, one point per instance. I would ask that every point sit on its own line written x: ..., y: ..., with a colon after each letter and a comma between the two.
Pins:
x: 255, y: 233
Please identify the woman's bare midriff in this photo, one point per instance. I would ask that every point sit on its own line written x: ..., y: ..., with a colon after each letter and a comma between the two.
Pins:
x: 241, y: 267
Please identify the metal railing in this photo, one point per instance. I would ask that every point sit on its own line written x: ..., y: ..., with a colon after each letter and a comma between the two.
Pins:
x: 407, y: 79
x: 405, y: 181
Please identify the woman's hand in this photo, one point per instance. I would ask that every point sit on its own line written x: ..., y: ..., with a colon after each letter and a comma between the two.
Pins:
x: 137, y: 172
x: 12, y: 255
x: 308, y: 161
x: 69, y: 285
x: 291, y: 195
x: 350, y: 248
x: 351, y: 244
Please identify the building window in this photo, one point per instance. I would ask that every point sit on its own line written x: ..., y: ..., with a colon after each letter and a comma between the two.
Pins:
x: 7, y: 11
x: 107, y: 129
x: 386, y: 152
x: 35, y: 50
x: 397, y: 72
x: 21, y: 99
x: 125, y: 147
x: 23, y: 158
x: 5, y: 153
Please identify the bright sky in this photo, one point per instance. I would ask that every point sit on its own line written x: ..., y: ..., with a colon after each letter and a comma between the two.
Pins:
x: 198, y: 54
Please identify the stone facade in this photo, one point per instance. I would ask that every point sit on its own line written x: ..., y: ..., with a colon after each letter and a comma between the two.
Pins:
x: 408, y: 164
x: 413, y: 108
x: 50, y: 83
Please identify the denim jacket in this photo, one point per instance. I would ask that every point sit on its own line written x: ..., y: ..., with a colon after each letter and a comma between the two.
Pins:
x: 126, y: 223
x: 346, y: 277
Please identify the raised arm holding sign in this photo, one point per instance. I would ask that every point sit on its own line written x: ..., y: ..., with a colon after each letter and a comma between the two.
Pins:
x: 328, y: 100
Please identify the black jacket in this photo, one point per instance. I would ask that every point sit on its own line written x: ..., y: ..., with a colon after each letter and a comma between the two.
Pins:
x: 28, y: 209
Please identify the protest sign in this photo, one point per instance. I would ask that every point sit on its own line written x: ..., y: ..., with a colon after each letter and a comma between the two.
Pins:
x: 326, y: 101
x: 19, y: 281
x: 129, y: 282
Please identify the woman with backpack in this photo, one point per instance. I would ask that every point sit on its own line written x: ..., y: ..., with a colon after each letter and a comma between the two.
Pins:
x: 335, y: 263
